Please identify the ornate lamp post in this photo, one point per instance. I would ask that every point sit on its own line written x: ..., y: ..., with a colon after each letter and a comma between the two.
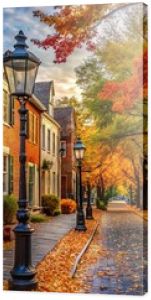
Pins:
x: 62, y: 151
x: 89, y: 215
x: 79, y: 150
x: 20, y: 67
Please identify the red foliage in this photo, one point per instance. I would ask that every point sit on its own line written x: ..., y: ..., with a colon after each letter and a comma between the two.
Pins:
x: 73, y: 26
x: 126, y: 93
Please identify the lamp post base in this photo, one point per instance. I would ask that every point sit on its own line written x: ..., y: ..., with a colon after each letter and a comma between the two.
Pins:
x: 80, y: 224
x: 22, y: 285
x: 89, y: 215
x: 23, y: 273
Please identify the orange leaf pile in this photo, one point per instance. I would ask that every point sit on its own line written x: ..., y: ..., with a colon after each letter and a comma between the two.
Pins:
x: 53, y: 272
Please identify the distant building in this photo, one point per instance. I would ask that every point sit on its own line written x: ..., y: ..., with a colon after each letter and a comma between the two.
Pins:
x: 65, y: 116
x: 50, y: 168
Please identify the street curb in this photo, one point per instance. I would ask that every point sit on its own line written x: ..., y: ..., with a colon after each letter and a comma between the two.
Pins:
x: 73, y: 271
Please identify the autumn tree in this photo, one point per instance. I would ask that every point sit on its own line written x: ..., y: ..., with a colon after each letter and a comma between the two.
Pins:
x: 113, y: 95
x: 73, y: 26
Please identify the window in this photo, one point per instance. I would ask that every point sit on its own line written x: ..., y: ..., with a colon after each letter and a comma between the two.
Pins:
x: 5, y: 174
x: 48, y: 140
x: 8, y: 170
x: 5, y: 106
x: 32, y: 124
x: 49, y: 182
x: 43, y: 182
x: 54, y: 182
x: 63, y: 146
x: 33, y: 128
x: 36, y: 130
x: 43, y: 137
x: 53, y: 143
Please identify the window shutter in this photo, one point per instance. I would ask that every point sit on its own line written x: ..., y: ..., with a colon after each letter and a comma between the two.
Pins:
x: 27, y: 126
x: 11, y: 112
x: 10, y: 176
x: 37, y: 130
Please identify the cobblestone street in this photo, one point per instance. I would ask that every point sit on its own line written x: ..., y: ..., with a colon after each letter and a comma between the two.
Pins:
x: 121, y: 270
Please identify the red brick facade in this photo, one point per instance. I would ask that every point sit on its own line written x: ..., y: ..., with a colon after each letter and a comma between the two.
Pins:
x: 33, y: 150
x: 11, y: 144
x: 11, y: 141
x: 65, y: 116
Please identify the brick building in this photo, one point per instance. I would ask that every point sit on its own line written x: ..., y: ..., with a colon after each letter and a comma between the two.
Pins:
x: 11, y: 144
x: 50, y: 171
x: 65, y: 116
x: 33, y: 143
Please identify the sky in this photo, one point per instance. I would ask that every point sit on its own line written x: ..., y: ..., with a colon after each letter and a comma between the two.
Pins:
x: 63, y: 75
x: 21, y: 18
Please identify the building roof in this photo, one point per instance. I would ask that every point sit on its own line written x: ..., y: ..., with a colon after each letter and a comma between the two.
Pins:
x: 63, y: 115
x: 42, y: 91
x: 35, y: 101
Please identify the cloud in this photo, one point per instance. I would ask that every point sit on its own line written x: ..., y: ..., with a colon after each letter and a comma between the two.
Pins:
x: 63, y: 74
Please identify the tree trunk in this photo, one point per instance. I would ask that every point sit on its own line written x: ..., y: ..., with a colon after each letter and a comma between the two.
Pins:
x: 138, y: 202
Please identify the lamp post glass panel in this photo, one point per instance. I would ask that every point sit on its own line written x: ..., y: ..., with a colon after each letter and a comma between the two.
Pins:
x: 79, y: 150
x: 20, y: 67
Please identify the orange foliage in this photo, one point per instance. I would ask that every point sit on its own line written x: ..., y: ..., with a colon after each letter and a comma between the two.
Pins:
x: 68, y: 206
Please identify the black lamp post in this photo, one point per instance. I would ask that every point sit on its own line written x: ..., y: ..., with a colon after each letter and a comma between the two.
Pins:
x: 89, y: 215
x: 79, y: 149
x: 20, y: 67
x: 62, y: 151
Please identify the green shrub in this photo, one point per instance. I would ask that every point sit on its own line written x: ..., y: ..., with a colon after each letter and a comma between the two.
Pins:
x: 101, y: 204
x: 57, y: 211
x: 38, y: 218
x: 9, y: 209
x: 50, y: 203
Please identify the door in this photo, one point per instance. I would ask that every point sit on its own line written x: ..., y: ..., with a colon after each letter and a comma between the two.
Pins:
x: 63, y: 187
x: 31, y: 184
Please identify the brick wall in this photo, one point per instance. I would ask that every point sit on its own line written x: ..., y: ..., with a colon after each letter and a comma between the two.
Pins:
x: 33, y: 150
x: 11, y: 140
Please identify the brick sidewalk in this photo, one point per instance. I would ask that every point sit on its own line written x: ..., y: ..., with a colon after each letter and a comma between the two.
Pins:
x: 43, y: 240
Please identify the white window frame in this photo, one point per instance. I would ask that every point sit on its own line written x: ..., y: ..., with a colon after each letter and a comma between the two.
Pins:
x: 53, y: 143
x: 6, y: 121
x: 6, y: 173
x: 48, y: 140
x: 33, y: 128
x: 43, y: 136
